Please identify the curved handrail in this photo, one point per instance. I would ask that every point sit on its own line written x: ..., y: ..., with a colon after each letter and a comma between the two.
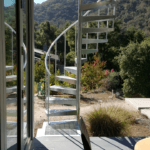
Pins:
x: 56, y: 41
x: 24, y: 47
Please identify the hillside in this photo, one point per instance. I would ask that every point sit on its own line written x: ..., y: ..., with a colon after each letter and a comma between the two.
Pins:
x: 132, y: 12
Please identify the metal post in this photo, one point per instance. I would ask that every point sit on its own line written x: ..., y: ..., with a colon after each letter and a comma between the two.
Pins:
x: 64, y: 51
x: 3, y: 131
x: 48, y: 89
x: 113, y: 19
x: 79, y: 58
x: 12, y: 48
x: 75, y: 40
x: 98, y: 27
x: 55, y: 61
x: 87, y: 38
x: 107, y: 22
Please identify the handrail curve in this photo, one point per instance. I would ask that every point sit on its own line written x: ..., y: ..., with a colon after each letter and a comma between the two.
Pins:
x: 57, y: 39
x: 24, y: 47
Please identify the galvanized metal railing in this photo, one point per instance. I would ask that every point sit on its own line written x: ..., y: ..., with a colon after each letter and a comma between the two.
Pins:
x: 24, y: 47
x: 47, y: 58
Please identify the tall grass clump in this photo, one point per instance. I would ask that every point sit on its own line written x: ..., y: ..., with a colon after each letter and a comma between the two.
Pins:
x: 110, y: 121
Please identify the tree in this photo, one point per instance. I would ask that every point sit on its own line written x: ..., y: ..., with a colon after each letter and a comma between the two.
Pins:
x: 135, y: 68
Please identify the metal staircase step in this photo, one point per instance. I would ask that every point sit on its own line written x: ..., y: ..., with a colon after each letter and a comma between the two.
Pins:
x: 61, y: 112
x: 71, y: 69
x: 62, y: 89
x: 95, y: 5
x: 13, y: 113
x: 11, y: 78
x: 96, y: 30
x: 88, y: 51
x: 58, y: 100
x: 83, y: 60
x: 92, y: 41
x: 14, y: 100
x: 12, y: 89
x: 66, y: 79
x: 94, y: 18
x: 9, y: 68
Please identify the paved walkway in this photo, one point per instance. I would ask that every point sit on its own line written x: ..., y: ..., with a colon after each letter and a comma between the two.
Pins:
x: 75, y: 143
x: 142, y: 104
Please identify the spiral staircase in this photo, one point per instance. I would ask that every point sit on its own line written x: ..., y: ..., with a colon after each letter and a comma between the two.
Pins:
x: 79, y: 60
x: 11, y: 91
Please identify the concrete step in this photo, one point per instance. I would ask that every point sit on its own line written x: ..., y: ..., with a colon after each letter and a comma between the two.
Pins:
x: 58, y: 100
x: 62, y: 89
x: 61, y: 112
x: 66, y: 79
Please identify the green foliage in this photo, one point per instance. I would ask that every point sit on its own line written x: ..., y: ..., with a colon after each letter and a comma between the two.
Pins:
x: 70, y: 58
x: 110, y: 121
x: 91, y: 74
x: 134, y: 68
x: 39, y: 69
x: 112, y: 81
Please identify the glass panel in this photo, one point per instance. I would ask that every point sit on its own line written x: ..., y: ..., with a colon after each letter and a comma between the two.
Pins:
x: 11, y: 73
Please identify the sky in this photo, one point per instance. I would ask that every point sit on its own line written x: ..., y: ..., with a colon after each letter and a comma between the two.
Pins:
x: 11, y: 2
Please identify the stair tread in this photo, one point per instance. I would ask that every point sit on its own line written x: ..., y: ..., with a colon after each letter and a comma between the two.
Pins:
x: 96, y: 30
x: 58, y: 98
x: 71, y: 69
x: 96, y: 4
x: 62, y: 87
x: 12, y: 89
x: 88, y: 51
x: 9, y: 68
x: 11, y: 78
x: 14, y: 100
x: 90, y: 41
x: 94, y: 18
x: 61, y: 112
x: 66, y: 77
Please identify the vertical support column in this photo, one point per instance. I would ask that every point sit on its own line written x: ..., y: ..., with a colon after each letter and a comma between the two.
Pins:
x: 12, y: 48
x: 55, y: 61
x: 64, y: 52
x: 98, y: 27
x: 79, y: 58
x: 48, y: 87
x: 75, y: 41
x: 107, y: 22
x: 19, y: 41
x: 3, y: 132
x: 30, y: 68
x: 113, y: 14
x: 87, y: 37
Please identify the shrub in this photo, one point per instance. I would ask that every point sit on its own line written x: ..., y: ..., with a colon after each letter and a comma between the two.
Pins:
x: 134, y: 69
x: 111, y: 121
x: 113, y: 80
x: 91, y: 74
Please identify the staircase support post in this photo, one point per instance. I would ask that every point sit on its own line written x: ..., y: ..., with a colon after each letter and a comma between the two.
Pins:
x: 79, y: 58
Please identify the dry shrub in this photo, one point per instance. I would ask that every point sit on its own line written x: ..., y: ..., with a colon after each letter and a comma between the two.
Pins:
x: 110, y: 121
